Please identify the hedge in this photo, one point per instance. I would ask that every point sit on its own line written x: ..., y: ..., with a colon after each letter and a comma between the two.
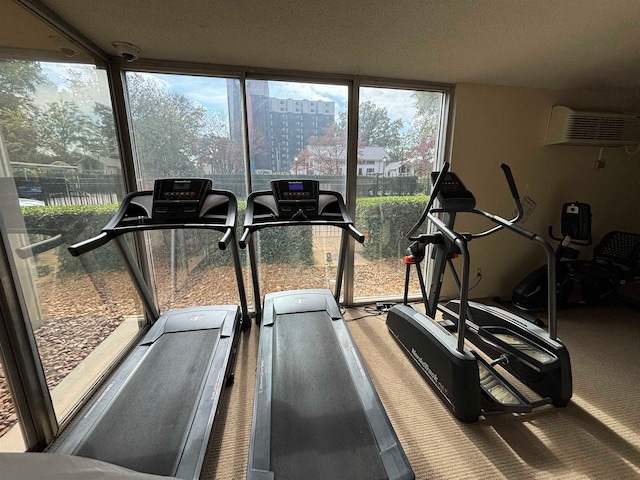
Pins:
x: 75, y: 223
x: 384, y: 220
x: 293, y: 246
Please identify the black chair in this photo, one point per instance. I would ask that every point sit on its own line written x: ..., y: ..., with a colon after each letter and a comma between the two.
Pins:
x: 616, y: 260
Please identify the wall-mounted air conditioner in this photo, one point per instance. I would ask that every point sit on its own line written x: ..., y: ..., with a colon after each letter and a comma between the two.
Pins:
x: 597, y: 129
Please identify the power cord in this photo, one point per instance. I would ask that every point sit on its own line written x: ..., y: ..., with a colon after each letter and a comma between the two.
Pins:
x: 478, y: 279
x: 369, y: 312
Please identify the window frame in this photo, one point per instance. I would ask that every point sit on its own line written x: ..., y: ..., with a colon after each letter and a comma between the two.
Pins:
x: 118, y: 67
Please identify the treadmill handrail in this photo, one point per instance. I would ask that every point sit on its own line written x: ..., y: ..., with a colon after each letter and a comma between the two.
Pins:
x: 346, y: 223
x: 138, y: 205
x: 115, y: 226
x: 340, y: 219
x: 90, y: 244
x: 33, y: 249
x: 348, y: 227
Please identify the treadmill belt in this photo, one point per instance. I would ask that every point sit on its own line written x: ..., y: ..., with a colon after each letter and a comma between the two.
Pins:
x: 145, y: 427
x: 318, y: 427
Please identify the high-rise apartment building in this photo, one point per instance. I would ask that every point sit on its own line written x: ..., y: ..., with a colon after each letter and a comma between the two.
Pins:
x: 279, y: 128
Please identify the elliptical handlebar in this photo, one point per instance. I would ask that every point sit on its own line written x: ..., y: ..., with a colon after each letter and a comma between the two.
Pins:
x: 436, y: 190
x: 514, y: 191
x: 503, y: 223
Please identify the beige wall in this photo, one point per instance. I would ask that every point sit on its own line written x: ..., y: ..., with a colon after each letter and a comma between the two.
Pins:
x: 494, y: 125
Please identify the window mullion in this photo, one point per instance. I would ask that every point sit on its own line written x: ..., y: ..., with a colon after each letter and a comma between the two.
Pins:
x: 351, y: 191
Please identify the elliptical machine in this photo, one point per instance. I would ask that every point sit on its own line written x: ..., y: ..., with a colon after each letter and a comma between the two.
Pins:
x: 531, y: 292
x: 467, y: 380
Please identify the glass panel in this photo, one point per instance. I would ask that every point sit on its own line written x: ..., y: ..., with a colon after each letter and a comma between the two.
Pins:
x: 189, y: 126
x: 398, y: 139
x: 297, y: 129
x: 10, y: 429
x: 61, y: 180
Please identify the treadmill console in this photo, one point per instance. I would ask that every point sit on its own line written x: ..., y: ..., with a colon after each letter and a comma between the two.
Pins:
x: 296, y: 199
x: 453, y: 195
x: 179, y: 199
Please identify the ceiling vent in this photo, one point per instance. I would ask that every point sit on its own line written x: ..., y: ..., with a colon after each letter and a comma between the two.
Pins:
x: 596, y: 129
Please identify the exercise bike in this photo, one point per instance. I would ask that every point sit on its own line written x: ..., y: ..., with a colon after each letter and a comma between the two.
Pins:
x: 531, y: 292
x: 467, y: 380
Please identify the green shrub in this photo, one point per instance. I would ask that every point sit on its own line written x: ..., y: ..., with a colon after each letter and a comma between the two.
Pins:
x: 288, y: 245
x: 385, y: 221
x: 75, y: 223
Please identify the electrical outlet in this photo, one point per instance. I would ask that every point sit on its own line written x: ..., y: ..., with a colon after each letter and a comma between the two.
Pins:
x: 478, y: 272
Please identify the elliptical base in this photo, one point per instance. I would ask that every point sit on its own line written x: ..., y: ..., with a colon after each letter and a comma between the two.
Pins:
x: 453, y: 375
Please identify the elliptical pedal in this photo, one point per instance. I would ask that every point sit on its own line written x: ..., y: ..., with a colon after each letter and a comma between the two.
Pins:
x: 513, y: 344
x: 498, y: 392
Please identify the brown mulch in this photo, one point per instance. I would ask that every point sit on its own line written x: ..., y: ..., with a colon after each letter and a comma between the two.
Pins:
x: 79, y: 312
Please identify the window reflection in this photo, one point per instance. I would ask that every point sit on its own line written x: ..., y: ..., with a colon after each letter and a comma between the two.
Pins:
x: 63, y: 177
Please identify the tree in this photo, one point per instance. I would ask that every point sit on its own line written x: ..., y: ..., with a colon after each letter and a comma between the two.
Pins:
x: 421, y: 141
x: 429, y: 108
x: 18, y: 84
x: 421, y: 155
x: 325, y: 155
x: 166, y: 127
x: 64, y: 130
x: 375, y: 128
x: 104, y: 141
x: 89, y: 92
x: 217, y: 150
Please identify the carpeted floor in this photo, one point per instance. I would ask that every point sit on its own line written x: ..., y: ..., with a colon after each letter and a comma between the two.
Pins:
x: 596, y: 437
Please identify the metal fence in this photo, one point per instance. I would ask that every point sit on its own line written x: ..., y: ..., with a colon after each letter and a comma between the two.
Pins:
x: 92, y: 189
x: 366, y: 186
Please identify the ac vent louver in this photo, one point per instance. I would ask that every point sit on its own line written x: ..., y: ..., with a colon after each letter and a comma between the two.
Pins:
x: 570, y: 127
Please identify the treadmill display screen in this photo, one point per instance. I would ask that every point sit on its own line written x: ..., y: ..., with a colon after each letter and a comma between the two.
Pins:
x: 179, y: 190
x: 295, y: 189
x: 296, y: 197
x: 179, y: 198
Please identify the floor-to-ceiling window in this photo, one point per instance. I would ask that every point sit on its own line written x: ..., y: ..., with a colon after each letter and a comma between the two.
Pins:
x: 61, y: 181
x: 399, y: 145
x: 9, y: 424
x: 189, y: 126
x: 297, y: 129
x: 62, y: 178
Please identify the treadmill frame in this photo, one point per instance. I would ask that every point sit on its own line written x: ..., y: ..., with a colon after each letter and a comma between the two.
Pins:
x: 135, y: 214
x: 391, y: 453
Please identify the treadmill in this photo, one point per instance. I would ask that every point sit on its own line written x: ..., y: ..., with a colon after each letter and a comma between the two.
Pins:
x: 316, y: 413
x: 155, y: 413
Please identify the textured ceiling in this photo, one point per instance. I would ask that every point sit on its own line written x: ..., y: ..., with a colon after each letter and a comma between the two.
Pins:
x: 543, y: 43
